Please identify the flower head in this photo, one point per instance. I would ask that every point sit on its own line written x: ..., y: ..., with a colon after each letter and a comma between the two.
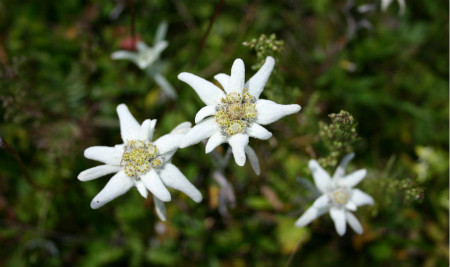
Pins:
x: 235, y: 114
x: 147, y: 58
x: 145, y: 55
x: 339, y: 198
x: 139, y: 162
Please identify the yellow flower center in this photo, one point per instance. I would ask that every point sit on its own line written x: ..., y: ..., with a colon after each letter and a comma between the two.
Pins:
x: 235, y: 112
x: 139, y: 157
x: 340, y: 197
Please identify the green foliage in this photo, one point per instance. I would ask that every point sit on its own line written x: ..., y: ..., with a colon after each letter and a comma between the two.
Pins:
x: 337, y: 138
x: 265, y: 46
x: 59, y: 90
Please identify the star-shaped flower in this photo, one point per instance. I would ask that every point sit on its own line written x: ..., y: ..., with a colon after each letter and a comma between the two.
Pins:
x: 148, y: 58
x: 139, y: 162
x: 145, y: 55
x: 236, y: 114
x: 339, y: 198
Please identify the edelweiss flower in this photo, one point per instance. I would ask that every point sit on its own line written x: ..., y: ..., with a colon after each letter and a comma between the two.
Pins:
x: 339, y: 198
x: 147, y: 58
x: 139, y: 162
x: 236, y: 114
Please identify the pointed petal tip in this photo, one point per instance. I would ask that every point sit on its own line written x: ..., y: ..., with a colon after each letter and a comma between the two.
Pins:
x: 121, y: 107
x: 198, y: 199
x: 165, y: 197
x: 182, y: 76
x: 238, y: 61
x: 240, y: 161
x: 312, y: 163
x: 270, y: 59
x: 95, y: 204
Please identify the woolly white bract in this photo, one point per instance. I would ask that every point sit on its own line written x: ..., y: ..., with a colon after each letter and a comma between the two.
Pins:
x: 139, y: 162
x: 234, y: 115
x: 339, y: 198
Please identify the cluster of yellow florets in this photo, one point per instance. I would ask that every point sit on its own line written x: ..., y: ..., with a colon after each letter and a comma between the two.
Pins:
x: 235, y: 112
x: 340, y: 196
x: 139, y: 157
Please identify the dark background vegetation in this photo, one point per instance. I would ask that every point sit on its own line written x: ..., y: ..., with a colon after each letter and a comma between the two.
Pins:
x: 59, y: 89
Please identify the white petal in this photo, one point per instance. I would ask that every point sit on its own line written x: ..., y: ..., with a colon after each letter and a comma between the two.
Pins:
x: 402, y: 5
x: 253, y: 158
x: 321, y: 177
x: 257, y: 131
x: 129, y: 127
x: 96, y: 172
x: 168, y: 142
x: 118, y: 185
x: 353, y: 178
x: 205, y: 112
x: 152, y: 129
x: 105, y: 154
x: 256, y: 84
x: 164, y: 84
x: 174, y: 178
x: 309, y: 215
x: 201, y: 131
x: 207, y: 91
x: 360, y: 198
x: 141, y: 188
x: 237, y: 77
x: 269, y: 111
x: 160, y: 208
x: 321, y: 202
x: 354, y: 223
x: 145, y: 130
x: 340, y: 171
x: 182, y: 128
x: 223, y: 79
x: 124, y: 55
x: 214, y: 141
x: 160, y: 46
x: 161, y: 31
x: 351, y: 206
x: 141, y: 46
x: 338, y: 216
x: 153, y: 183
x: 238, y: 142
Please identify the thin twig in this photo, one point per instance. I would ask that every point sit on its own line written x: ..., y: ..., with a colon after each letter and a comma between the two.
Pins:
x: 205, y: 36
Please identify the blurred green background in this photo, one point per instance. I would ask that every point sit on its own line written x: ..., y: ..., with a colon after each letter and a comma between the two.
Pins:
x: 59, y: 89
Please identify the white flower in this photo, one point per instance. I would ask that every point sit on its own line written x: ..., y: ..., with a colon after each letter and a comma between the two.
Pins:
x: 147, y: 58
x: 385, y: 4
x: 339, y: 198
x: 236, y: 114
x: 146, y: 55
x: 139, y: 162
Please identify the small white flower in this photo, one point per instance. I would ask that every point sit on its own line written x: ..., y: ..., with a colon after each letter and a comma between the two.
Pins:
x: 339, y: 198
x: 385, y: 4
x: 139, y: 162
x: 145, y: 55
x: 147, y: 58
x: 236, y: 114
